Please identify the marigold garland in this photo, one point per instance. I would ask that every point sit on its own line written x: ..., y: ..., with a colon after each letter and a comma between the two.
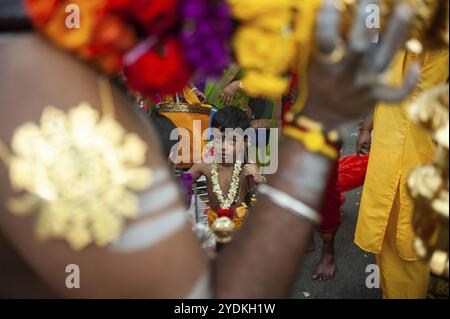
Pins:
x: 111, y: 29
x: 264, y: 45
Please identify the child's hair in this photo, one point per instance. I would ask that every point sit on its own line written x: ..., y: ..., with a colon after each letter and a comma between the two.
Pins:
x: 164, y: 126
x: 230, y: 117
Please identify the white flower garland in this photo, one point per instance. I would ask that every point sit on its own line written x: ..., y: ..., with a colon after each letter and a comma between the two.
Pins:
x: 226, y: 203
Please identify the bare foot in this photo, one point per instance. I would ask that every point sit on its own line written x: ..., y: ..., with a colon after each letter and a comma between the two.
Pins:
x: 326, y: 269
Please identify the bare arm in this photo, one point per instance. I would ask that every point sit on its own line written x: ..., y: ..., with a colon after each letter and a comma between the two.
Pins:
x: 364, y: 140
x: 276, y: 237
x: 201, y: 96
x: 266, y: 254
x: 196, y: 171
x: 149, y: 268
x: 139, y: 266
x: 260, y: 262
x: 368, y: 122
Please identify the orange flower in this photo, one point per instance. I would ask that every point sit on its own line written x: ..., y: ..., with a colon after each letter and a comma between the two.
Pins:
x: 72, y: 39
x: 102, y: 38
x: 111, y: 34
x: 41, y: 10
x: 110, y: 63
x: 109, y: 29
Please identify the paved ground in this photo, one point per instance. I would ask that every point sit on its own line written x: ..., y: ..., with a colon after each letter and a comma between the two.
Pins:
x: 350, y: 278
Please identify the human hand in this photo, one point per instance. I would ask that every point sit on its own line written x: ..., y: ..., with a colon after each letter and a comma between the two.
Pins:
x: 363, y: 142
x: 229, y: 93
x: 200, y: 95
x: 253, y: 170
x: 344, y: 79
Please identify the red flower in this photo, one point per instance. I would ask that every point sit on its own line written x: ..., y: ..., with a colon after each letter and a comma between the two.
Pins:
x: 228, y: 212
x: 160, y: 70
x: 155, y: 16
x: 118, y: 4
x: 111, y: 29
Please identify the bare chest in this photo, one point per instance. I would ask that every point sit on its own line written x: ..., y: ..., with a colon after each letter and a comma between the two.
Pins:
x: 225, y: 181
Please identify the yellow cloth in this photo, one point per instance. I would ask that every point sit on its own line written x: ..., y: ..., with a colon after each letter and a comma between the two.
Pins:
x: 303, y: 32
x: 400, y: 279
x: 190, y: 96
x: 385, y: 218
x: 186, y: 120
x: 241, y: 214
x: 398, y: 146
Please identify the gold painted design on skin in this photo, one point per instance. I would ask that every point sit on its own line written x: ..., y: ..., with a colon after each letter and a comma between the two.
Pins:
x: 79, y: 171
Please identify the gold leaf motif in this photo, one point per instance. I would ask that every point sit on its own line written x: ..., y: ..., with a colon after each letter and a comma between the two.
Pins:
x: 441, y: 204
x: 425, y: 181
x: 442, y: 136
x: 78, y: 171
x: 429, y: 185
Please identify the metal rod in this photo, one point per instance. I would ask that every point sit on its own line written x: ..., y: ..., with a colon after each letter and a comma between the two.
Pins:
x: 196, y: 203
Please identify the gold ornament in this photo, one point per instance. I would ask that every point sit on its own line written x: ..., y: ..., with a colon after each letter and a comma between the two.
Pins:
x: 79, y: 171
x: 429, y: 108
x: 429, y: 184
x: 223, y: 228
x: 313, y: 141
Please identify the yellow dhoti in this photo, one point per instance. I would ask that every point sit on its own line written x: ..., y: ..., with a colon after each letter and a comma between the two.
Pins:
x: 400, y: 279
x: 385, y: 218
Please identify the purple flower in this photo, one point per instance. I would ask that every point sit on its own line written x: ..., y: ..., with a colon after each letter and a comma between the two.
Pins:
x: 206, y: 33
x: 186, y: 181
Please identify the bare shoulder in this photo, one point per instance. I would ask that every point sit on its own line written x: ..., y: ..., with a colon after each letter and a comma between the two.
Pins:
x: 200, y: 168
x: 35, y: 75
x: 206, y: 168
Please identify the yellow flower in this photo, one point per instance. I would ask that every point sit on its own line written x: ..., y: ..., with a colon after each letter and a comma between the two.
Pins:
x: 257, y: 49
x: 264, y: 44
x: 78, y: 170
x: 261, y: 84
x: 252, y: 9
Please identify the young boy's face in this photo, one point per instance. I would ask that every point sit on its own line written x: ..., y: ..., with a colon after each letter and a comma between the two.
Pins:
x: 229, y: 147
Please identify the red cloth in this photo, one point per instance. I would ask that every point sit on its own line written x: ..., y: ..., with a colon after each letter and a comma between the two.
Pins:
x: 288, y: 102
x: 352, y: 172
x: 331, y: 210
x: 347, y: 174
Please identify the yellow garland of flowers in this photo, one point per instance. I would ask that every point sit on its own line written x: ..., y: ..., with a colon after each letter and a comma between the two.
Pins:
x: 264, y: 45
x: 270, y: 24
x: 251, y: 9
